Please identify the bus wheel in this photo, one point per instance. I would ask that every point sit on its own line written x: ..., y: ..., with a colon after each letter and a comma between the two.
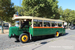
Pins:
x: 57, y: 34
x: 24, y: 38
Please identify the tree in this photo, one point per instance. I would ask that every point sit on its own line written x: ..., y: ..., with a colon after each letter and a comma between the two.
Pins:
x: 6, y: 10
x: 19, y: 10
x: 67, y: 15
x: 41, y: 8
x: 60, y: 11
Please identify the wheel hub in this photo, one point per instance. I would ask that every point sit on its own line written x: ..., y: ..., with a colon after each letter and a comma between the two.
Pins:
x: 24, y: 38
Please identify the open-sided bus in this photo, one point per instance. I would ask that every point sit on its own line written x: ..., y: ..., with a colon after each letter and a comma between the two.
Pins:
x: 35, y: 26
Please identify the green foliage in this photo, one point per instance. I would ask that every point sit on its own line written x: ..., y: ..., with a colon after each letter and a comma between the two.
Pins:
x: 6, y: 10
x: 41, y: 8
x: 19, y: 10
x: 60, y: 11
x: 68, y: 15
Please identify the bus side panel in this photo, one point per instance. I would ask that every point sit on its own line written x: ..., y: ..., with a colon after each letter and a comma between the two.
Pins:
x: 31, y: 31
x: 41, y: 31
x: 54, y: 30
x: 63, y: 31
x: 45, y: 31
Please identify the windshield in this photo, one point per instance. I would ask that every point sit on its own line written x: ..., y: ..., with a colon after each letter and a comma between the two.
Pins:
x: 22, y: 23
x: 17, y: 23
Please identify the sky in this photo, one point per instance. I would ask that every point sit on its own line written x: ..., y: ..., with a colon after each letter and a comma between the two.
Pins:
x: 70, y: 4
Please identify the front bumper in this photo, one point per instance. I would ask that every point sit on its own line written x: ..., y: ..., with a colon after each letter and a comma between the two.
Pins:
x: 13, y: 36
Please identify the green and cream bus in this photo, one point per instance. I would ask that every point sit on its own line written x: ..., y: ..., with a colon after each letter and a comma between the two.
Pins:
x: 34, y: 27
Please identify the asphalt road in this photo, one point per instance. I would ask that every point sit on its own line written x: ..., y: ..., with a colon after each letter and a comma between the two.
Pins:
x: 7, y: 43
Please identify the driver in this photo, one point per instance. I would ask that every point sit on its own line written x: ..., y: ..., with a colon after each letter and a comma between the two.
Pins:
x: 24, y: 23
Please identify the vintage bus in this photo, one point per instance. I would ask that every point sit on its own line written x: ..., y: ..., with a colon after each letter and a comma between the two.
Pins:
x: 34, y: 27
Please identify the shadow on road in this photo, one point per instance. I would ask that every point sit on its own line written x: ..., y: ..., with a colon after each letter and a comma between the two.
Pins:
x: 42, y: 38
x: 43, y: 42
x: 47, y: 37
x: 17, y: 41
x: 65, y: 34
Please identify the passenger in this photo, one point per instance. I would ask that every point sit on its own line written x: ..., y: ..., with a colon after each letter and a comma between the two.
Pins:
x: 24, y: 23
x: 34, y: 25
x: 56, y: 25
x: 17, y: 25
x: 40, y: 25
x: 47, y: 26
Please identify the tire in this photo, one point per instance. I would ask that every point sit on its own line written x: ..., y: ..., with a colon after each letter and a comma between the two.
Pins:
x: 57, y: 34
x: 24, y: 38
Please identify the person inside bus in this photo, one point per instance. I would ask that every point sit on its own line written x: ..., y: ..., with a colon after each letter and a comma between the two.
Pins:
x: 34, y: 25
x: 17, y: 24
x: 47, y: 26
x: 24, y: 23
x: 56, y: 25
x: 40, y: 25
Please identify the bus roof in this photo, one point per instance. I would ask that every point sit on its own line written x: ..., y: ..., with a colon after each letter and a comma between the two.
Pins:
x: 36, y: 18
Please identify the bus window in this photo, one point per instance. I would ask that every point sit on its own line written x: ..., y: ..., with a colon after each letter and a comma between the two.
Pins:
x: 17, y: 23
x: 46, y: 23
x: 25, y: 23
x: 56, y: 25
x: 40, y: 24
x: 53, y: 24
x: 37, y: 23
x: 60, y: 24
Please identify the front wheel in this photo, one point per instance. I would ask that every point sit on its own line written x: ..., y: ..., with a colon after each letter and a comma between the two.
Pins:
x: 24, y: 38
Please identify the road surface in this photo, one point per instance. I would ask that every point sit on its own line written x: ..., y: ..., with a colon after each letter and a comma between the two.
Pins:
x: 7, y: 43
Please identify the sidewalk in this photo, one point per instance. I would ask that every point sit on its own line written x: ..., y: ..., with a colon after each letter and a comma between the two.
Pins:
x: 67, y: 29
x: 61, y: 44
x: 6, y: 31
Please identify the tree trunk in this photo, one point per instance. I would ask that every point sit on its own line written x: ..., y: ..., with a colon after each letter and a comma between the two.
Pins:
x: 2, y: 27
x: 68, y: 25
x: 71, y: 23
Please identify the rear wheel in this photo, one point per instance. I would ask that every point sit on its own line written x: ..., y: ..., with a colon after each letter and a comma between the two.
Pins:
x: 57, y: 34
x: 24, y: 38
